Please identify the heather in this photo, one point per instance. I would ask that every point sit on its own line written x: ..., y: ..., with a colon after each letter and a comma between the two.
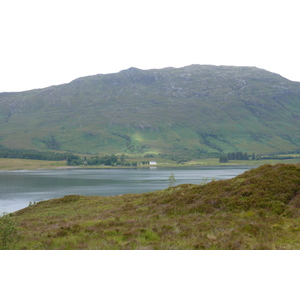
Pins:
x: 258, y: 209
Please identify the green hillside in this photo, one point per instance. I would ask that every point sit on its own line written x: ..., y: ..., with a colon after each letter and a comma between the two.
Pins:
x: 255, y: 210
x: 196, y: 110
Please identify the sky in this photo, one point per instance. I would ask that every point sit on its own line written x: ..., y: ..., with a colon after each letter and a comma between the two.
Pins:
x: 46, y: 43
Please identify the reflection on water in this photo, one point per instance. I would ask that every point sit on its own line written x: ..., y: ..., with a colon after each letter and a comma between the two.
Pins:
x: 18, y: 188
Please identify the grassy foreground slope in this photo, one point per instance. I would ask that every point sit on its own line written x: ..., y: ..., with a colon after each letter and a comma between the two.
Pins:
x: 258, y: 209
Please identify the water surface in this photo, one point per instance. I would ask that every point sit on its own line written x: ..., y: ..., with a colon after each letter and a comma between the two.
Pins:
x: 18, y: 188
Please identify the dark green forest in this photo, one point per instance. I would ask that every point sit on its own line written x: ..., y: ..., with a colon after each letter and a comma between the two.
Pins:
x: 33, y: 154
x: 107, y: 160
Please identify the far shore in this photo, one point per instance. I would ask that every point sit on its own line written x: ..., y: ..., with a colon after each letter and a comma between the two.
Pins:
x: 12, y: 164
x: 68, y: 167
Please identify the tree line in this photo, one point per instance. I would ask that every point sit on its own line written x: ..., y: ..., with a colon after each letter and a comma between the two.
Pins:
x: 32, y: 154
x: 236, y: 156
x: 71, y: 159
x: 107, y: 160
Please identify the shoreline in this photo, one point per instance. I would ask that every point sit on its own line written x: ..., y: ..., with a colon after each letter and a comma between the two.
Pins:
x: 27, y: 165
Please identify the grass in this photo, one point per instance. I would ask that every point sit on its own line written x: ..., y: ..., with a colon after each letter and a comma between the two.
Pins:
x: 255, y: 210
x: 29, y: 164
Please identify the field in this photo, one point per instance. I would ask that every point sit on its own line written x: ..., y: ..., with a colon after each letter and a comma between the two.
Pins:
x: 29, y: 164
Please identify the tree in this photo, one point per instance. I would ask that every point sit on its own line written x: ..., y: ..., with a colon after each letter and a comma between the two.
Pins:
x: 239, y: 155
x: 113, y: 159
x: 172, y: 180
x: 122, y: 159
x: 223, y: 158
x: 253, y: 156
x: 246, y: 157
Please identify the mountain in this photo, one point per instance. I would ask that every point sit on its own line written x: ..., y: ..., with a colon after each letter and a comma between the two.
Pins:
x: 195, y: 110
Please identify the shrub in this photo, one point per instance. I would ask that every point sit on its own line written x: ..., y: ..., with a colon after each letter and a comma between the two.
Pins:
x: 9, y: 233
x: 172, y: 180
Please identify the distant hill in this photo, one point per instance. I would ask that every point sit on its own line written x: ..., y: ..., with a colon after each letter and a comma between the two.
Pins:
x: 196, y: 110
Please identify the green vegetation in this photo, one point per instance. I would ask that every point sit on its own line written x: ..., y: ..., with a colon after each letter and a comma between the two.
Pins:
x: 29, y: 164
x: 9, y: 233
x: 188, y: 113
x: 32, y: 154
x: 259, y: 209
x: 172, y: 180
x: 107, y: 160
x: 224, y: 158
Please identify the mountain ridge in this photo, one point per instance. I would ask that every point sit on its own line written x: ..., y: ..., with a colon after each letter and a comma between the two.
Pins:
x: 194, y: 110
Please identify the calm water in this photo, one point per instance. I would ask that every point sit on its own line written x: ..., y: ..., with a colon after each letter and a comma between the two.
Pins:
x: 18, y: 188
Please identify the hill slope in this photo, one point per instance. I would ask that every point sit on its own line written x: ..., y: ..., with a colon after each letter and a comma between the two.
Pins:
x: 192, y: 110
x: 255, y: 210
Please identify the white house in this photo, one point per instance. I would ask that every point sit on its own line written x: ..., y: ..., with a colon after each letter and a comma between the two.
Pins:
x: 152, y: 163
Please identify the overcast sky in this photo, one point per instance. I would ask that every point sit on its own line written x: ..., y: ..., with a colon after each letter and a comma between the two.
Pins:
x: 46, y: 43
